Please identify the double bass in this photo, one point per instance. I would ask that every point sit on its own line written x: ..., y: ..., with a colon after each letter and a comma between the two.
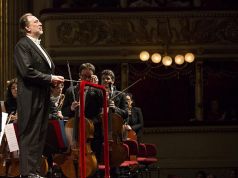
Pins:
x: 118, y: 153
x: 68, y: 162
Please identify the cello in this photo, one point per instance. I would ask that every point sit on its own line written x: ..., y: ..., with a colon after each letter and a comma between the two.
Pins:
x: 118, y: 153
x: 68, y: 161
x: 129, y: 133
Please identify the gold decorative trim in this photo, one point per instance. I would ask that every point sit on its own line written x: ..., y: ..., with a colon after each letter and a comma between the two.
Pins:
x: 96, y: 35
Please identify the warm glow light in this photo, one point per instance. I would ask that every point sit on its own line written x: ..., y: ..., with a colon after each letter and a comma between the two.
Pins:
x: 167, y: 60
x: 189, y: 57
x: 144, y: 56
x: 179, y: 59
x: 156, y: 58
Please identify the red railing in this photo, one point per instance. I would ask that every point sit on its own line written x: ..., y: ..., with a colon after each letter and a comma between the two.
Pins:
x: 82, y: 161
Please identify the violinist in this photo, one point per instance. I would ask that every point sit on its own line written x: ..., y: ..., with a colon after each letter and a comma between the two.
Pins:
x: 11, y: 99
x: 117, y: 104
x: 57, y: 100
x: 10, y: 107
x: 93, y: 107
x: 135, y: 117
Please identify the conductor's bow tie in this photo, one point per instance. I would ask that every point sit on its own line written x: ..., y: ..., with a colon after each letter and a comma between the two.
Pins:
x: 37, y: 41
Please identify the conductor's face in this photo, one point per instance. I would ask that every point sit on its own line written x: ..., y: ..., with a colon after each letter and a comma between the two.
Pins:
x: 34, y: 27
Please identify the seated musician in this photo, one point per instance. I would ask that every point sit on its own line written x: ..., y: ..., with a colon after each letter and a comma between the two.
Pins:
x: 10, y: 107
x: 57, y: 99
x: 51, y: 145
x: 10, y: 103
x: 117, y: 103
x: 135, y: 117
x: 93, y: 107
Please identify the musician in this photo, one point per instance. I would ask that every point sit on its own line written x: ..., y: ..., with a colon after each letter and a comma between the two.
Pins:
x: 34, y: 74
x: 57, y: 99
x: 135, y: 117
x: 93, y: 106
x: 11, y: 99
x: 117, y: 102
x: 10, y: 107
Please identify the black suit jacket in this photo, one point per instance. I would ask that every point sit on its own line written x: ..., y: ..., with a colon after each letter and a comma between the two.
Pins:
x: 135, y: 120
x: 119, y: 99
x: 34, y: 78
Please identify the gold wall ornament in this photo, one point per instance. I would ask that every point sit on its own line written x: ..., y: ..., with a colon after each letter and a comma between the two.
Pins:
x: 121, y: 36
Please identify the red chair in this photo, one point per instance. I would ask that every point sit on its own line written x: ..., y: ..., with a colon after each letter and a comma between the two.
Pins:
x: 148, y: 157
x: 129, y: 167
x: 126, y: 169
x: 134, y: 155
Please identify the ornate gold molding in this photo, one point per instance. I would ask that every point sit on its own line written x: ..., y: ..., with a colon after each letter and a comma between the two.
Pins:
x: 121, y: 35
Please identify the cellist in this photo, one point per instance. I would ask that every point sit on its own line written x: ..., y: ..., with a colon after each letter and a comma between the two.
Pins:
x: 135, y: 118
x: 93, y: 107
x: 117, y: 103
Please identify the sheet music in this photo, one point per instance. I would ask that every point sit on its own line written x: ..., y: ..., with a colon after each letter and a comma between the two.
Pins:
x: 4, y: 120
x: 11, y: 137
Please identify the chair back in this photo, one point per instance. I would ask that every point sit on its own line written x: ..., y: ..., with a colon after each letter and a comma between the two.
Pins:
x: 151, y: 150
x: 142, y: 150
